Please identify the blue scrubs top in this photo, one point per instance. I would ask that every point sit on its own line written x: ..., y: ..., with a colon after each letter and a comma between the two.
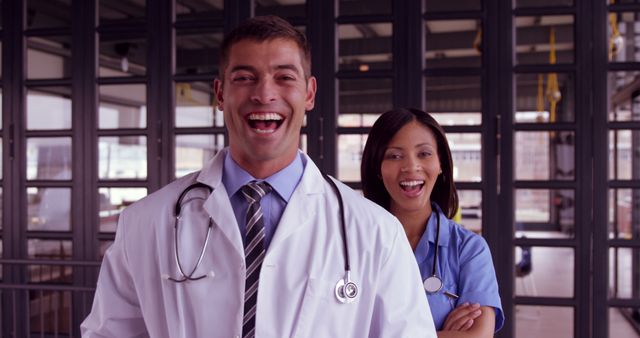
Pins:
x: 464, y: 265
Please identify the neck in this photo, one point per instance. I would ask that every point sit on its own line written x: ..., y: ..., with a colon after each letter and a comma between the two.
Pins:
x: 413, y: 222
x: 261, y: 169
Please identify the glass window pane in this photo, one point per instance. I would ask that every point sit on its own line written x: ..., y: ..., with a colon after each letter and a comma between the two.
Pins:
x: 122, y: 157
x: 110, y: 10
x: 1, y: 223
x: 535, y: 321
x: 545, y: 98
x: 453, y: 94
x: 363, y: 100
x: 624, y: 162
x: 623, y: 272
x: 122, y: 106
x: 47, y: 14
x: 49, y: 158
x: 48, y: 209
x: 284, y: 9
x: 466, y: 151
x: 50, y: 249
x: 49, y: 108
x: 49, y: 57
x: 361, y: 7
x: 193, y: 151
x: 545, y: 39
x: 624, y: 213
x: 366, y: 46
x: 623, y: 34
x: 458, y: 119
x: 196, y: 105
x: 543, y: 213
x: 544, y: 271
x: 357, y: 120
x: 543, y: 3
x: 624, y: 100
x: 619, y: 325
x: 469, y: 214
x: 122, y: 57
x: 349, y: 156
x: 452, y: 5
x: 199, y: 9
x: 50, y: 310
x: 453, y: 43
x: 113, y: 201
x: 197, y: 53
x: 544, y: 155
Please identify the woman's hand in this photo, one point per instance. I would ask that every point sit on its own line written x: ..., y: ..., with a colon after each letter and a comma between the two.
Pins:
x: 462, y: 317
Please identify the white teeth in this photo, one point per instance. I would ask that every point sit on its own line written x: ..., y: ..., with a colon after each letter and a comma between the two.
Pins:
x: 265, y: 117
x: 411, y: 183
x: 264, y: 131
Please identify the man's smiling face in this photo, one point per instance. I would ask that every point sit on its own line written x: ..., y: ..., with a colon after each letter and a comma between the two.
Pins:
x: 264, y: 97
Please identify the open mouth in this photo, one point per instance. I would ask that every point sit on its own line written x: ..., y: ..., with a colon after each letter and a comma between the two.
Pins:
x: 265, y: 123
x: 411, y: 186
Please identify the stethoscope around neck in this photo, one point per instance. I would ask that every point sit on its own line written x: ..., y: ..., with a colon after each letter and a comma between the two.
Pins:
x: 346, y: 289
x: 433, y: 283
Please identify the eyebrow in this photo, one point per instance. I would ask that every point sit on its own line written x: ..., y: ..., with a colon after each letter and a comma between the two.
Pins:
x: 253, y: 69
x: 416, y: 146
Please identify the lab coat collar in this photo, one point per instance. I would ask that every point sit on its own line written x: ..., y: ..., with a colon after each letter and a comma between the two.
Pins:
x: 298, y: 214
x: 218, y: 204
x: 295, y: 217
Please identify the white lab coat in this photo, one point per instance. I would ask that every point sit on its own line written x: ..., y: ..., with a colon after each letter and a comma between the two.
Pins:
x: 296, y: 291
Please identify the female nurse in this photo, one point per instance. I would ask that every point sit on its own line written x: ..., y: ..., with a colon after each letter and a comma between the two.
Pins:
x: 407, y: 169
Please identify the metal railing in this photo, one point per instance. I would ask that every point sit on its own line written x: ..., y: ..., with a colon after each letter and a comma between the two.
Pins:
x: 45, y: 302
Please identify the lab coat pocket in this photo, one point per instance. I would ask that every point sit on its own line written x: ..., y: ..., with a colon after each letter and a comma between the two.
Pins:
x: 314, y: 301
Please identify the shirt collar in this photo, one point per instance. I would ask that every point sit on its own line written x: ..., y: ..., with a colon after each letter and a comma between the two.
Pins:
x: 283, y: 182
x: 432, y: 225
x: 429, y: 236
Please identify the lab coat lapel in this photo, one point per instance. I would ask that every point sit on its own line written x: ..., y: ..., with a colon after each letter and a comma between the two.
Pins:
x: 300, y: 210
x: 218, y: 205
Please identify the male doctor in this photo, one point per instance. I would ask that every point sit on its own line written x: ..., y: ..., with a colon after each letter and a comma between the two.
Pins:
x: 275, y: 251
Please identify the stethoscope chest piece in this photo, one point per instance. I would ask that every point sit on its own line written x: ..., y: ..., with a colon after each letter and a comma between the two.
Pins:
x: 432, y: 284
x: 346, y: 290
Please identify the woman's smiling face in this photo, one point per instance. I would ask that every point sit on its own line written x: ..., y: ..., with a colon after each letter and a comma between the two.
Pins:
x: 410, y: 168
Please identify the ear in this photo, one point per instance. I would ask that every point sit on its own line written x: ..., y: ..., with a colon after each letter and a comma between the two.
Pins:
x: 311, y: 93
x: 217, y: 89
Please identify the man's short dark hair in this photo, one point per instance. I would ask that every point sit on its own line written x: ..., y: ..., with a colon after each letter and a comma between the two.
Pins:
x: 263, y: 28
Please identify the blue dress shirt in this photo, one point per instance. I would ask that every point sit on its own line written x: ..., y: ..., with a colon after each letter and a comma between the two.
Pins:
x: 464, y: 265
x: 283, y: 183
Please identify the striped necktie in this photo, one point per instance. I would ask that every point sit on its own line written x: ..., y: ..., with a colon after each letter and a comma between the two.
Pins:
x: 254, y: 252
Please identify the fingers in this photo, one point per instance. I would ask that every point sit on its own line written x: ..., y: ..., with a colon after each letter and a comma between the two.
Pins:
x: 461, y: 318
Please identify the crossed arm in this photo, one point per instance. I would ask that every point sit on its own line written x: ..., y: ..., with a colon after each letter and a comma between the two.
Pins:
x: 469, y: 320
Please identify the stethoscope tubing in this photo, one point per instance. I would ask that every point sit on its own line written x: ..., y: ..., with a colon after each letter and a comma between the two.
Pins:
x: 346, y: 289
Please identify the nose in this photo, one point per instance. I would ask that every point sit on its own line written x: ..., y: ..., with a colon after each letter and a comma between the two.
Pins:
x: 411, y: 163
x: 264, y: 92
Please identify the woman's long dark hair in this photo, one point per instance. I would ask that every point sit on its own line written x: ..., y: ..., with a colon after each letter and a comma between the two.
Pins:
x: 384, y: 129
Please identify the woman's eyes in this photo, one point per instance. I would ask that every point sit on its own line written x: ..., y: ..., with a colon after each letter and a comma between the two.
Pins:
x: 392, y: 156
